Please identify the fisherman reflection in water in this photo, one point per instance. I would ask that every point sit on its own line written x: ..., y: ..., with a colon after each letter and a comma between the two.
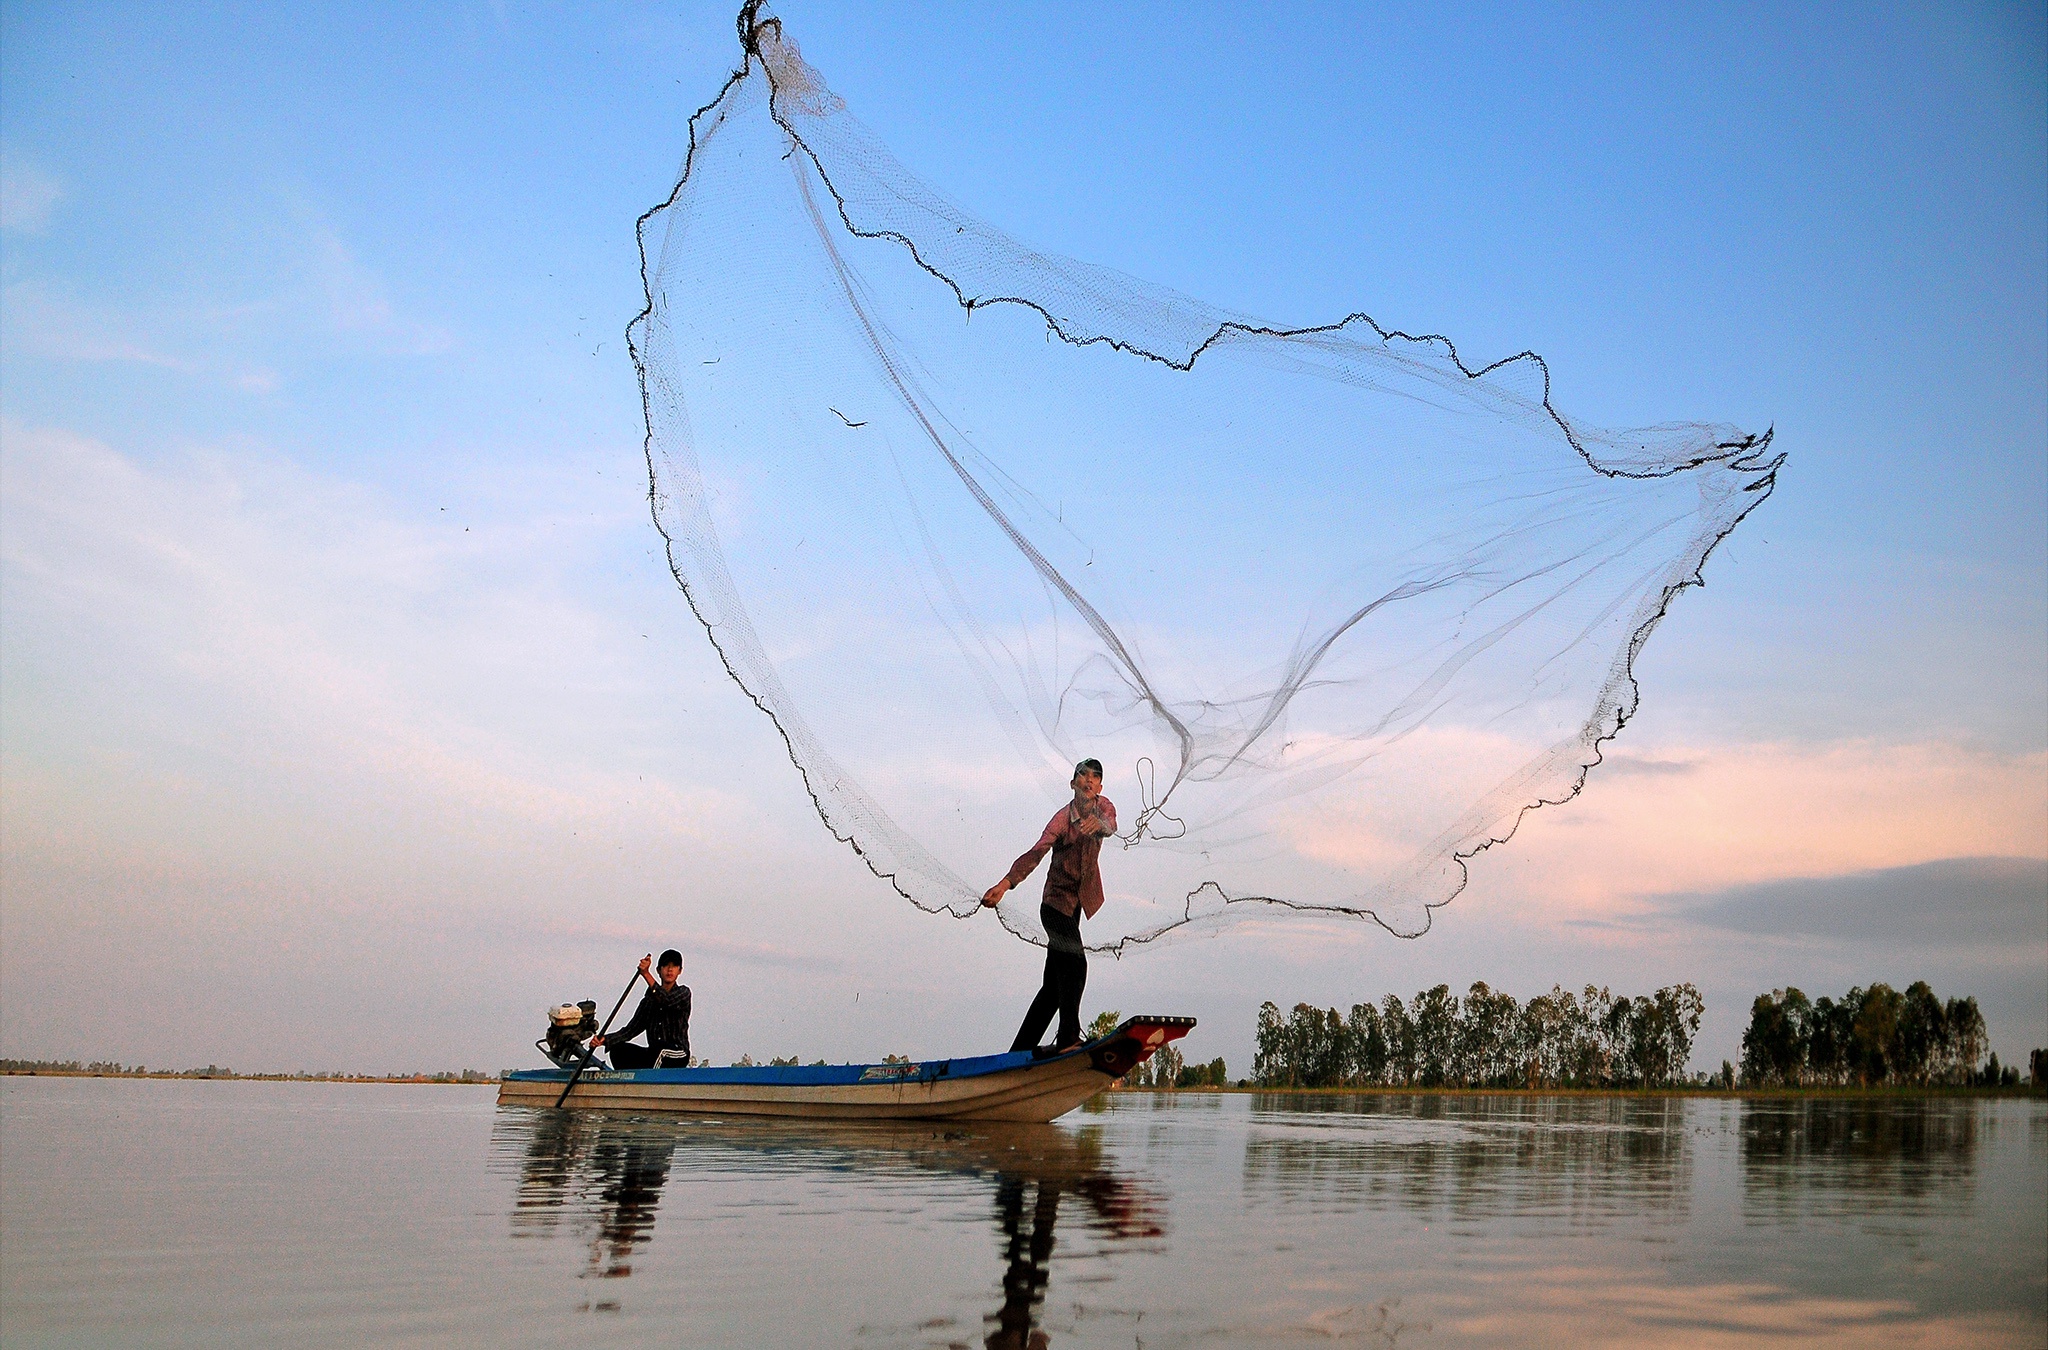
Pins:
x: 600, y: 1179
x: 1027, y: 1214
x: 1027, y: 1250
x: 603, y: 1178
x: 664, y: 1014
x: 631, y: 1170
x: 1073, y: 887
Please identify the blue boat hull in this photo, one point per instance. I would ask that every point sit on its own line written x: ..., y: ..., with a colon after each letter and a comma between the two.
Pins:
x: 1006, y: 1087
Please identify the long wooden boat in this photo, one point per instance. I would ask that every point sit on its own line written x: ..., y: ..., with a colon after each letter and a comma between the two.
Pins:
x: 1014, y: 1087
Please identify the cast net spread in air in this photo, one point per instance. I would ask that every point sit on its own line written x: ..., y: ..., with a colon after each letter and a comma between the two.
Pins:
x: 1332, y: 609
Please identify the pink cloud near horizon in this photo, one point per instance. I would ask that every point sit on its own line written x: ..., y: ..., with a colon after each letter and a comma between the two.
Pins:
x: 1704, y: 817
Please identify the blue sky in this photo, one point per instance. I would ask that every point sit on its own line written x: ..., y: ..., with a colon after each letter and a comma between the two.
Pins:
x: 336, y: 648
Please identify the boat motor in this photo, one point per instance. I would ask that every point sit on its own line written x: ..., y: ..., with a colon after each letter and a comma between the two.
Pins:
x: 569, y: 1026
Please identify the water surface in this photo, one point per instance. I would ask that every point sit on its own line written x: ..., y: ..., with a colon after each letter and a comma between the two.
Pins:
x: 224, y: 1213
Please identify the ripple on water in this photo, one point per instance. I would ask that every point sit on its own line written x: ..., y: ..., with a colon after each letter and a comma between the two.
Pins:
x: 256, y: 1214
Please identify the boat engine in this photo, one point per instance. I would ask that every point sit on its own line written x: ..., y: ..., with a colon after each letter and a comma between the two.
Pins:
x: 569, y: 1025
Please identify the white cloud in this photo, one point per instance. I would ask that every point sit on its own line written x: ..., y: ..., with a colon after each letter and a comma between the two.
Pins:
x: 37, y: 321
x: 358, y: 303
x: 250, y: 713
x: 285, y: 624
x: 28, y: 196
x: 234, y: 343
x: 48, y: 325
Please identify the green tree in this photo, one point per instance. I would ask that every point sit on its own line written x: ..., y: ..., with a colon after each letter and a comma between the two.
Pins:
x: 1874, y: 1036
x: 1922, y: 1030
x: 1332, y: 1051
x: 1270, y: 1066
x: 1436, y: 1035
x: 1774, y: 1046
x: 1316, y: 1046
x: 1543, y: 1040
x: 1166, y: 1066
x: 1828, y: 1041
x: 1367, y: 1041
x: 1592, y: 1050
x: 1616, y: 1015
x: 1966, y: 1039
x: 1399, y: 1029
x: 1304, y: 1026
x: 1488, y: 1036
x: 1661, y: 1028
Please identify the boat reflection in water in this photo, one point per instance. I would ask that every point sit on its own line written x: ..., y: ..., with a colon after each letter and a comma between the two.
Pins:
x: 599, y: 1177
x: 1296, y: 1219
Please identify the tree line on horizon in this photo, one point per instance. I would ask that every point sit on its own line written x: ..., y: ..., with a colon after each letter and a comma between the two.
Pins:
x: 1486, y: 1039
x: 1872, y: 1037
x: 1168, y: 1068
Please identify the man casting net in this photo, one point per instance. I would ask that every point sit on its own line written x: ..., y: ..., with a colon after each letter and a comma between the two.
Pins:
x: 1332, y: 608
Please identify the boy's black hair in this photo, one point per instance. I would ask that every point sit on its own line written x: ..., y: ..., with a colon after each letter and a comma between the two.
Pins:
x: 671, y: 957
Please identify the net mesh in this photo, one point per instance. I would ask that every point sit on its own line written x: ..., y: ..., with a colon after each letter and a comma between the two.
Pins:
x: 1333, y: 608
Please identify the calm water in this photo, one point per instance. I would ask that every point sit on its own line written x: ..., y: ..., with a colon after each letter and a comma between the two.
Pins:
x: 192, y: 1213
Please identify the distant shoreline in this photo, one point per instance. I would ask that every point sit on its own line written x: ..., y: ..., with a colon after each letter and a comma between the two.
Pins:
x: 465, y: 1078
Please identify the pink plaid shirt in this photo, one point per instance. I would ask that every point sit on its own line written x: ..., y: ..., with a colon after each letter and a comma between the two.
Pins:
x: 1073, y: 881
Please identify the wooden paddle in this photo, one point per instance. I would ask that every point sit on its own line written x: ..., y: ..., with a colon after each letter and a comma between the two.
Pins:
x: 590, y: 1052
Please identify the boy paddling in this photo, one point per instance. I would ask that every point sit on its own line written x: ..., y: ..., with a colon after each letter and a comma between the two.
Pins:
x: 664, y: 1014
x: 1073, y: 887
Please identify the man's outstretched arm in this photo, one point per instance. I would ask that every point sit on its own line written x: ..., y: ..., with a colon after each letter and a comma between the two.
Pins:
x: 1026, y: 861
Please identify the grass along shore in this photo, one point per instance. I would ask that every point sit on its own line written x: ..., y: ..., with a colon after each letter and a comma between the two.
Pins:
x: 19, y: 1068
x: 1383, y: 1090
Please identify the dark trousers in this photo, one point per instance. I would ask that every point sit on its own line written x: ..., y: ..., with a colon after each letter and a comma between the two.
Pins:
x: 1066, y: 975
x: 626, y: 1055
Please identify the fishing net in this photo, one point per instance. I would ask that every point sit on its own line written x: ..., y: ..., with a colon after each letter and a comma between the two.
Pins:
x: 1332, y: 608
